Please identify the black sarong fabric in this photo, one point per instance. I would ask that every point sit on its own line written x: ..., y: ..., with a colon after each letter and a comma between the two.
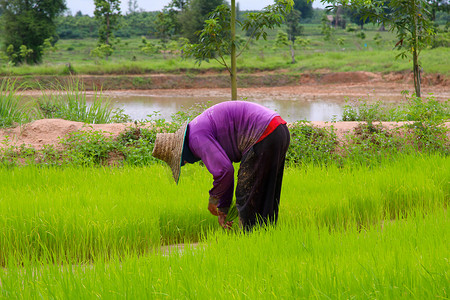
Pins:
x: 259, y: 179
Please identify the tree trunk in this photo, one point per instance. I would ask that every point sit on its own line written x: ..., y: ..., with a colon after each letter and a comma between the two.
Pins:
x: 416, y: 67
x: 291, y: 47
x: 107, y: 33
x: 233, y: 52
x: 416, y: 73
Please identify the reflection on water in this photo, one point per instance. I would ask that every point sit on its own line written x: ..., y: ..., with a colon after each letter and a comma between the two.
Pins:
x: 139, y: 107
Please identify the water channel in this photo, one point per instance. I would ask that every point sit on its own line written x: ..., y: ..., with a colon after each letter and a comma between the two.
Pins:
x: 140, y: 107
x: 310, y: 103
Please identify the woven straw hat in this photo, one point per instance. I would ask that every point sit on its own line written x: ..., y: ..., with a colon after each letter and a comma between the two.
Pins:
x: 169, y: 147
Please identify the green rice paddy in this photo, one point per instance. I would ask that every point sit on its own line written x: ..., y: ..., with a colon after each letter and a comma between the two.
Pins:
x: 354, y: 232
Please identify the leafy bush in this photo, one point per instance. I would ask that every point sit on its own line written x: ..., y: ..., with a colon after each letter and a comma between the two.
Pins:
x: 363, y: 111
x: 311, y: 144
x: 414, y: 109
x: 441, y: 39
x: 138, y: 143
x: 87, y: 147
x: 370, y: 144
x: 428, y: 111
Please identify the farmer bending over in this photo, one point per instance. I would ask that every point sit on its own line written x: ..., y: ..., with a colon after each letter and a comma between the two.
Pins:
x: 234, y: 131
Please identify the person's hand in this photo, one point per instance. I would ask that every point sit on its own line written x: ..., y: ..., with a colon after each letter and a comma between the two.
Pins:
x: 213, y: 209
x: 225, y: 225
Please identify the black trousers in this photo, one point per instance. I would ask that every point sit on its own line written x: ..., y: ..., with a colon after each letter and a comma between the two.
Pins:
x: 259, y: 179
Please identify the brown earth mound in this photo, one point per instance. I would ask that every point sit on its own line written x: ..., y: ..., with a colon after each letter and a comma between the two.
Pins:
x: 209, y: 79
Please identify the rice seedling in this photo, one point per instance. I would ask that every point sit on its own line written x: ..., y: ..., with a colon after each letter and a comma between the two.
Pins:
x: 352, y: 232
x: 232, y: 213
x: 403, y: 260
x: 78, y: 214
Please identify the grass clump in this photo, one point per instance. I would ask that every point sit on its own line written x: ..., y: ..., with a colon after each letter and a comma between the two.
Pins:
x: 69, y: 102
x: 11, y: 111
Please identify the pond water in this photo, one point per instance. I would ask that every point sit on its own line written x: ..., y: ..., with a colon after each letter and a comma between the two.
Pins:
x: 140, y: 107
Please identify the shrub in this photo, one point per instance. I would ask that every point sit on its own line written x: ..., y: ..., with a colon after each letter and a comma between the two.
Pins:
x: 87, y: 147
x: 428, y: 111
x: 311, y: 144
x: 414, y: 109
x: 441, y: 39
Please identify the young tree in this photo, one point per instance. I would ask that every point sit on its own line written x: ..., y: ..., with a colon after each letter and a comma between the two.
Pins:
x: 27, y: 24
x: 294, y: 29
x: 108, y: 13
x: 166, y: 24
x: 409, y: 19
x: 132, y: 6
x: 178, y: 4
x: 217, y: 39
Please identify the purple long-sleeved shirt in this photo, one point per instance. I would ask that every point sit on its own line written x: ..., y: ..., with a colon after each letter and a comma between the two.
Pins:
x: 222, y: 134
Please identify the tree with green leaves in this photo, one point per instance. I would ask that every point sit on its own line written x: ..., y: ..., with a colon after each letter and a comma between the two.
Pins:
x: 294, y: 29
x: 304, y: 7
x: 26, y: 24
x: 108, y: 13
x: 180, y: 5
x: 166, y: 25
x: 193, y: 16
x: 132, y: 6
x: 217, y: 39
x: 409, y: 19
x: 438, y: 5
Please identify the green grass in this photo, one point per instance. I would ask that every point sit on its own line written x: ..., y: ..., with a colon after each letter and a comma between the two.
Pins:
x: 404, y: 260
x: 65, y: 100
x: 343, y: 233
x: 10, y: 110
x: 354, y: 54
x: 69, y: 101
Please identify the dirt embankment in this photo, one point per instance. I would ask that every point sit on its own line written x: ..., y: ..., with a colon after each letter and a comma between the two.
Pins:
x: 207, y: 80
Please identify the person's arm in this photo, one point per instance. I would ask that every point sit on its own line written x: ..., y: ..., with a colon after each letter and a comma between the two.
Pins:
x: 220, y: 166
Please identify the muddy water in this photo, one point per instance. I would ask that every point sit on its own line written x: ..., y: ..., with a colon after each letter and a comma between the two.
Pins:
x: 140, y: 107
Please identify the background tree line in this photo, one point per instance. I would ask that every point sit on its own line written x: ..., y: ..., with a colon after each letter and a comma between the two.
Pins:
x: 29, y: 27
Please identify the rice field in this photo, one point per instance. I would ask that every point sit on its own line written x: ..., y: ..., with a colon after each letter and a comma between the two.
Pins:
x: 354, y: 232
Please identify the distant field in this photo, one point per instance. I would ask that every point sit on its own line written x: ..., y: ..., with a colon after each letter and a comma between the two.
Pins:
x: 344, y: 52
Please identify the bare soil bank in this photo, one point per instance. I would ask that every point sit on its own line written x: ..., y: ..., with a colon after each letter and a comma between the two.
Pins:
x: 206, y: 80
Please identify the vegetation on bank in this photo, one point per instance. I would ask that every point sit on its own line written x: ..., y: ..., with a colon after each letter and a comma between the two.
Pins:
x: 369, y: 143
